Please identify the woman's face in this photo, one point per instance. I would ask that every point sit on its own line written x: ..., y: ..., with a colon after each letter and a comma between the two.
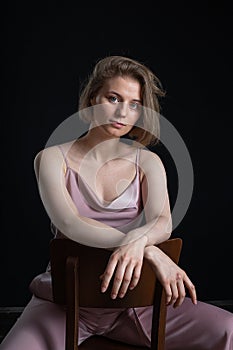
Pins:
x: 117, y: 105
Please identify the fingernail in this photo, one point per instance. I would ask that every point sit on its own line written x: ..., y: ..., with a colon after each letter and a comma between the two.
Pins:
x: 113, y: 296
x: 103, y: 289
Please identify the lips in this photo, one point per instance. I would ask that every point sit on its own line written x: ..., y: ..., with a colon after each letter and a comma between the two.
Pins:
x: 117, y: 124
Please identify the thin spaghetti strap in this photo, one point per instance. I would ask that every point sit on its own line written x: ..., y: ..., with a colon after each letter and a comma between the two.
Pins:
x: 137, y: 160
x: 64, y: 156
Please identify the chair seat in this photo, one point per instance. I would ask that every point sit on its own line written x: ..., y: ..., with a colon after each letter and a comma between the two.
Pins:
x: 102, y: 343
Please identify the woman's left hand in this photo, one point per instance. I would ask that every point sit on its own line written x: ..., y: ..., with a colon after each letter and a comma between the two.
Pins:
x: 171, y: 276
x: 125, y: 264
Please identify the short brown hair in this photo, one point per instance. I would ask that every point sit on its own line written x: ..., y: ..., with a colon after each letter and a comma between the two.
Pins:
x: 151, y: 90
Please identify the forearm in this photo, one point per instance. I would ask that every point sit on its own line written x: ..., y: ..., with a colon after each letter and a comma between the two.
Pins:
x: 156, y: 231
x: 91, y: 232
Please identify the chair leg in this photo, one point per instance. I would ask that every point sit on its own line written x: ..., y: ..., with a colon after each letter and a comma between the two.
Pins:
x: 72, y: 315
x: 158, y: 319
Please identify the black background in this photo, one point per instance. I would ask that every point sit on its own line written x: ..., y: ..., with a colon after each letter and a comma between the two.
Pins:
x: 48, y: 52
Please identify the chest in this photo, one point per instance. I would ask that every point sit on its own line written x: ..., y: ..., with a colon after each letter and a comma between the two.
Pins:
x: 109, y: 180
x: 113, y: 179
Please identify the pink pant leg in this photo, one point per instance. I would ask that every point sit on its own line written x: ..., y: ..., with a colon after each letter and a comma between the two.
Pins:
x: 200, y: 327
x: 40, y: 327
x: 193, y: 327
x: 189, y: 327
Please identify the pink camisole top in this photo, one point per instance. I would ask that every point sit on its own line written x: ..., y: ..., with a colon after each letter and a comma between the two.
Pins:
x: 123, y: 213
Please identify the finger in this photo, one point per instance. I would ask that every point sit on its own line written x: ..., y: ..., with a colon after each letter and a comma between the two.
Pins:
x: 126, y: 280
x: 108, y: 273
x: 181, y: 291
x: 168, y: 293
x: 136, y: 276
x: 191, y: 288
x: 174, y: 291
x: 119, y: 276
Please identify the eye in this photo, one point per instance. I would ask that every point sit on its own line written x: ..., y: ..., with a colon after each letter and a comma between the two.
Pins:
x: 113, y: 99
x: 134, y: 105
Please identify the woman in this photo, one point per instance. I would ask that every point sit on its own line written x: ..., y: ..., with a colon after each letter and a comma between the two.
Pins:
x: 101, y: 191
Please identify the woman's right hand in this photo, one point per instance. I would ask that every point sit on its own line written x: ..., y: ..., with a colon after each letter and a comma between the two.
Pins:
x: 124, y: 267
x: 171, y: 276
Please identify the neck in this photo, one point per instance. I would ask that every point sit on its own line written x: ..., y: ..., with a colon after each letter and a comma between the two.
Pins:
x: 100, y: 145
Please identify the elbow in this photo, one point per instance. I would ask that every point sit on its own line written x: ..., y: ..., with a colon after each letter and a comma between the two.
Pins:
x: 168, y: 235
x: 168, y: 229
x: 64, y: 225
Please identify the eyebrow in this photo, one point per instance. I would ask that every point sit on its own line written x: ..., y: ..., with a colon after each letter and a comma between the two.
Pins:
x: 116, y: 93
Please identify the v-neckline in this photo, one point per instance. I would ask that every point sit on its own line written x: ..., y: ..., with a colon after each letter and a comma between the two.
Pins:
x: 103, y: 203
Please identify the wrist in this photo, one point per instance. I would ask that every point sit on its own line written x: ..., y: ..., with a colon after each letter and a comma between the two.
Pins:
x: 148, y: 253
x: 151, y: 253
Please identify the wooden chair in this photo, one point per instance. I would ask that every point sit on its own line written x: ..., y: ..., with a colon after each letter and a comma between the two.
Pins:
x: 75, y: 273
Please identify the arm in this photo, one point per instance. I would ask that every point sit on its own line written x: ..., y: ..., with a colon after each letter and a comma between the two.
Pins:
x: 50, y: 175
x: 127, y: 260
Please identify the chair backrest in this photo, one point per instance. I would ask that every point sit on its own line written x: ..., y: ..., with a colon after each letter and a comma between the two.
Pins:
x: 67, y: 255
x: 76, y: 271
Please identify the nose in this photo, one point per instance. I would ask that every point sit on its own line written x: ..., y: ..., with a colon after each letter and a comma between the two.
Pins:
x: 122, y: 109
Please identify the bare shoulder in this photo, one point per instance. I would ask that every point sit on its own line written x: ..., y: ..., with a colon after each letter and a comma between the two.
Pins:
x: 148, y: 157
x: 53, y: 151
x: 151, y: 164
x: 46, y: 152
x: 42, y: 156
x: 51, y: 155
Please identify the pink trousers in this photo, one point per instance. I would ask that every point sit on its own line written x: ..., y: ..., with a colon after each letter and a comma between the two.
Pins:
x: 42, y: 327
